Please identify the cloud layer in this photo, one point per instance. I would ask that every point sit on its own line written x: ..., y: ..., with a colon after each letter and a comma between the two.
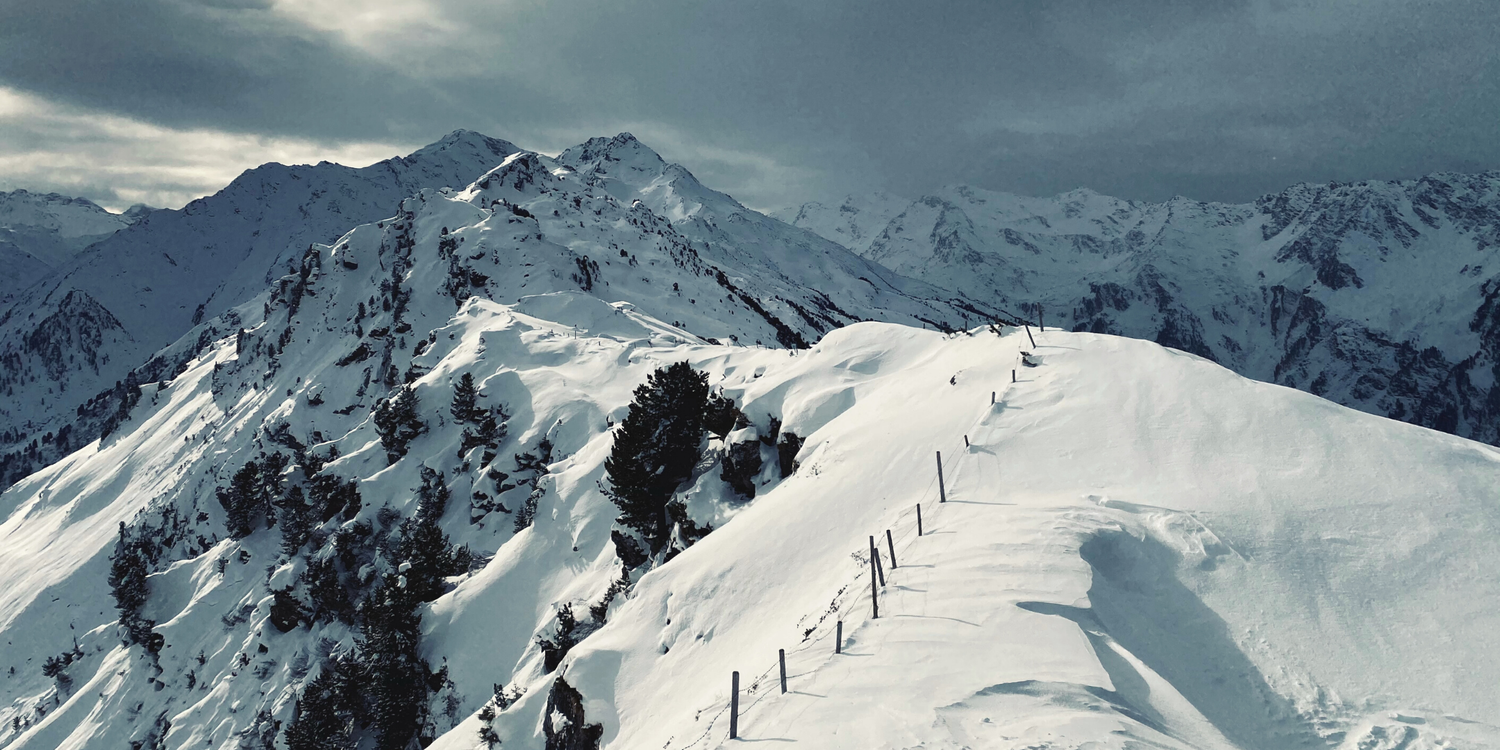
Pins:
x: 774, y: 102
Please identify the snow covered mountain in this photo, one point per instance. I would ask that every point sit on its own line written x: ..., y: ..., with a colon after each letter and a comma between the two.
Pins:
x: 41, y: 232
x: 1377, y: 295
x: 453, y: 480
x: 855, y: 223
x: 1176, y: 558
x: 75, y: 336
x: 82, y: 329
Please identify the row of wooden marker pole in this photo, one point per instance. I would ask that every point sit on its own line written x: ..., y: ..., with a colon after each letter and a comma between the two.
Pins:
x: 877, y: 574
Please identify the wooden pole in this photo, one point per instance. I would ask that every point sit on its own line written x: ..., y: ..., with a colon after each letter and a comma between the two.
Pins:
x: 874, y: 592
x: 992, y: 398
x: 966, y: 441
x: 892, y: 545
x: 919, y: 519
x: 781, y: 654
x: 838, y: 639
x: 1028, y: 337
x: 942, y: 491
x: 875, y: 555
x: 1012, y: 376
x: 734, y: 706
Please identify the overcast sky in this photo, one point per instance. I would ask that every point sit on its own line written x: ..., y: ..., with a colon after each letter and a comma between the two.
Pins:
x: 162, y: 101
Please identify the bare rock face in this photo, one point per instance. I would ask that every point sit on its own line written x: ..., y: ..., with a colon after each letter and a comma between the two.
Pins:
x: 563, y: 724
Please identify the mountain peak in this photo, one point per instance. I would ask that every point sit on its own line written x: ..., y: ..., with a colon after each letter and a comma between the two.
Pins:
x: 468, y: 141
x: 595, y: 153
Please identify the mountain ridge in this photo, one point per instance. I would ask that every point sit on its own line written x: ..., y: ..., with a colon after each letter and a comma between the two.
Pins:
x: 1375, y: 293
x: 800, y: 285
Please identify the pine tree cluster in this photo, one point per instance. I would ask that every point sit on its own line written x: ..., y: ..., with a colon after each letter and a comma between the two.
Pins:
x: 127, y: 582
x: 481, y: 426
x: 398, y: 423
x: 655, y: 449
x: 382, y: 687
x: 253, y: 494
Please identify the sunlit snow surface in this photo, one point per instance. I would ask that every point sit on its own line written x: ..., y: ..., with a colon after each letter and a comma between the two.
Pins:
x: 1140, y: 549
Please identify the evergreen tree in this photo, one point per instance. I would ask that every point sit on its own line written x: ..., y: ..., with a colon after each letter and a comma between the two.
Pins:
x: 286, y: 611
x: 492, y: 426
x: 425, y: 557
x: 331, y: 496
x: 271, y: 468
x: 432, y: 496
x: 127, y: 582
x: 563, y: 641
x: 326, y: 591
x: 325, y: 717
x: 655, y: 448
x: 397, y: 422
x: 296, y: 521
x: 465, y: 407
x: 253, y: 494
x: 396, y: 676
x: 238, y: 499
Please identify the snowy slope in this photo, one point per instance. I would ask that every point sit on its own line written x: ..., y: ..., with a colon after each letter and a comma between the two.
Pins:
x: 785, y: 261
x: 716, y: 267
x: 176, y: 268
x: 41, y: 232
x: 1176, y: 558
x: 1140, y: 548
x: 1377, y: 295
x: 854, y: 223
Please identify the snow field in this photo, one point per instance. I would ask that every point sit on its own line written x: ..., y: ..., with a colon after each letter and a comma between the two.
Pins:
x: 1139, y: 547
x: 1198, y: 613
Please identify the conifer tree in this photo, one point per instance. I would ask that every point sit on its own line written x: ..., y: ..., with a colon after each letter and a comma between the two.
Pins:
x: 465, y: 406
x: 432, y: 496
x: 127, y: 582
x: 329, y: 599
x: 238, y: 500
x: 398, y: 423
x: 396, y: 675
x: 269, y: 493
x: 655, y: 448
x: 286, y: 611
x: 296, y: 521
x: 331, y: 496
x: 427, y: 557
x: 325, y: 718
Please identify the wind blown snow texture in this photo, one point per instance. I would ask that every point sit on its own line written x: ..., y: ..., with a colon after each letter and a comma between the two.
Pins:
x: 1378, y: 295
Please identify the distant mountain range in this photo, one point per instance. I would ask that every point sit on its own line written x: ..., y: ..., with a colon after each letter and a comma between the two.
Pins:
x: 40, y: 233
x: 1383, y: 296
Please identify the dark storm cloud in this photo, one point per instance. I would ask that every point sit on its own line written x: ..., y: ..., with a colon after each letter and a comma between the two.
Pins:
x: 777, y: 102
x: 235, y: 65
